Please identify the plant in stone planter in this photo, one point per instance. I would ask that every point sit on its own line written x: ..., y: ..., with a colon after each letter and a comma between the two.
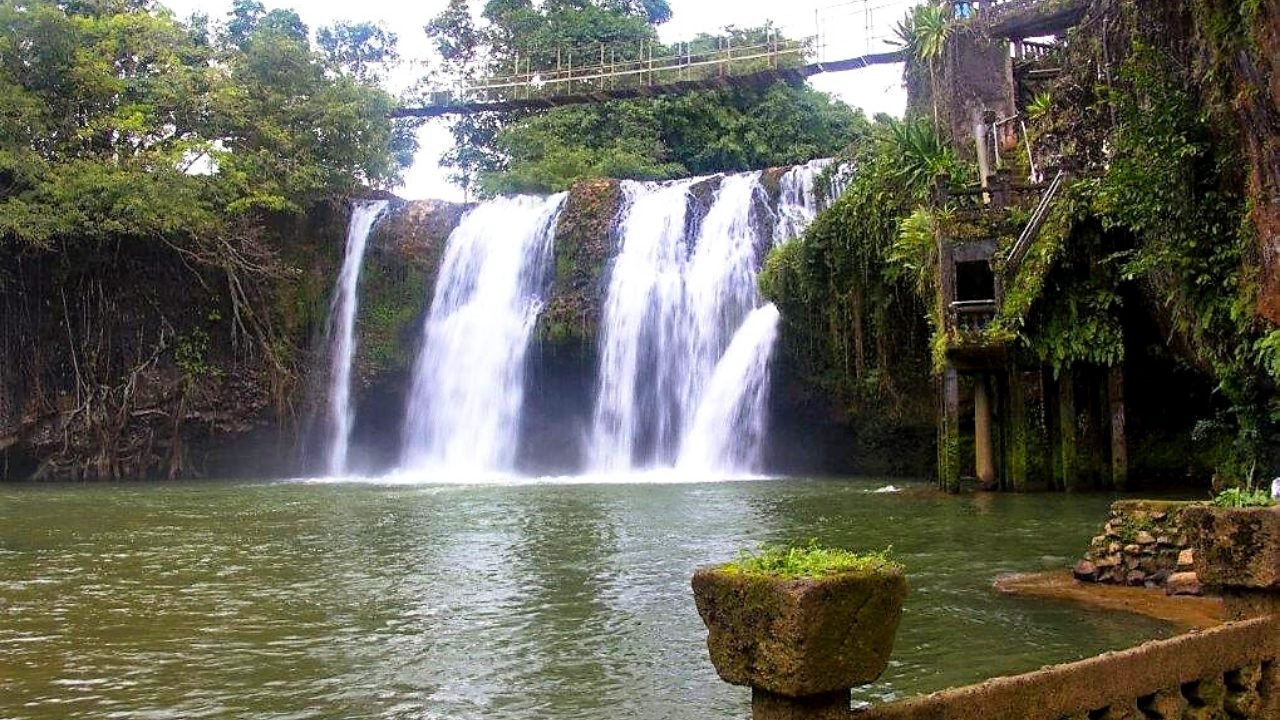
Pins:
x: 801, y: 625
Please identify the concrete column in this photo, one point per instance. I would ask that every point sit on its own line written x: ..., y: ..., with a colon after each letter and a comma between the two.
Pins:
x: 949, y: 431
x: 1238, y: 556
x: 800, y: 643
x: 1068, y: 433
x: 982, y: 443
x: 1119, y: 443
x: 828, y: 706
x: 1016, y: 461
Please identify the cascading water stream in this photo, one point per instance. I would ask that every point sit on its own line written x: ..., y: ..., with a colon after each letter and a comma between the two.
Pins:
x: 727, y: 432
x: 343, y: 318
x: 463, y: 413
x: 798, y: 202
x: 641, y: 327
x: 721, y: 282
x: 672, y: 309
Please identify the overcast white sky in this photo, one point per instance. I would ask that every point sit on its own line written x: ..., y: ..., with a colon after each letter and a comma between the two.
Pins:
x: 844, y: 26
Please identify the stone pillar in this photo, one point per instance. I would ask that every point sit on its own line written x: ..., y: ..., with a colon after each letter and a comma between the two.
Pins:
x: 1237, y: 554
x: 1119, y: 443
x: 1068, y: 435
x: 983, y: 449
x: 828, y: 706
x: 949, y: 431
x: 1016, y: 460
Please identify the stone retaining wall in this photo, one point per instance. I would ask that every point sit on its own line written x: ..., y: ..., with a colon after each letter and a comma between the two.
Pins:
x: 1142, y: 544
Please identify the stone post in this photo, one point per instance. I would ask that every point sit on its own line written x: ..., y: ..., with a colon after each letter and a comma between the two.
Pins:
x: 800, y: 644
x: 1016, y: 449
x: 1067, y: 430
x: 949, y: 431
x: 984, y: 448
x: 1237, y: 554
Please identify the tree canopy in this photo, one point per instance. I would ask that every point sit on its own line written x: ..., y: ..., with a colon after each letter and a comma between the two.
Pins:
x: 118, y: 120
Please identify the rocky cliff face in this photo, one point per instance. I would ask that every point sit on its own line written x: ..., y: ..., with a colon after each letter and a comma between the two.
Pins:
x: 130, y: 359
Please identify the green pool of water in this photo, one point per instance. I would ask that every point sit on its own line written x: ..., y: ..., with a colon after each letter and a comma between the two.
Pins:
x: 459, y: 602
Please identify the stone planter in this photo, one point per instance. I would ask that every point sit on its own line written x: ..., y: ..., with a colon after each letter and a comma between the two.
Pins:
x: 1237, y: 551
x: 800, y: 637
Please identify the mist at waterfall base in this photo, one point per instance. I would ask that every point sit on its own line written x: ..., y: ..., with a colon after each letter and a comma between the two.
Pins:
x: 676, y: 388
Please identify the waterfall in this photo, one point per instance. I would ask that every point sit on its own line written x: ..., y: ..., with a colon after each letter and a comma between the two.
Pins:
x: 727, y: 432
x: 463, y: 412
x: 671, y: 310
x: 641, y: 327
x: 798, y: 203
x: 342, y: 316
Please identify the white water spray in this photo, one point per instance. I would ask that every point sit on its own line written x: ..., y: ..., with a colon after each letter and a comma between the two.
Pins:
x: 463, y: 413
x: 343, y: 313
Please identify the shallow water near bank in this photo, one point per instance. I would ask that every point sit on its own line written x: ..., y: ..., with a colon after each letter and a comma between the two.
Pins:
x: 540, y: 600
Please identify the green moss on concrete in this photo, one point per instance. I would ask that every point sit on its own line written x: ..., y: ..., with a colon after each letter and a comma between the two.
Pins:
x: 800, y: 637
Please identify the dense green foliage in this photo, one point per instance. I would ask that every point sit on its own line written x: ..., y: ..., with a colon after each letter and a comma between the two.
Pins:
x: 1169, y: 215
x: 1238, y: 498
x: 156, y: 178
x: 852, y: 290
x: 810, y: 561
x: 696, y: 133
x: 1176, y: 186
x: 1158, y: 214
x: 120, y: 121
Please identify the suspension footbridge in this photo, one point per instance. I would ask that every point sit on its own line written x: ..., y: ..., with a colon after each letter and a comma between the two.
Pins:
x: 846, y: 36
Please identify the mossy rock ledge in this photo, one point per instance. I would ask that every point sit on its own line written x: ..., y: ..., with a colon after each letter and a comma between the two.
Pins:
x: 584, y: 242
x: 800, y: 637
x: 405, y: 251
